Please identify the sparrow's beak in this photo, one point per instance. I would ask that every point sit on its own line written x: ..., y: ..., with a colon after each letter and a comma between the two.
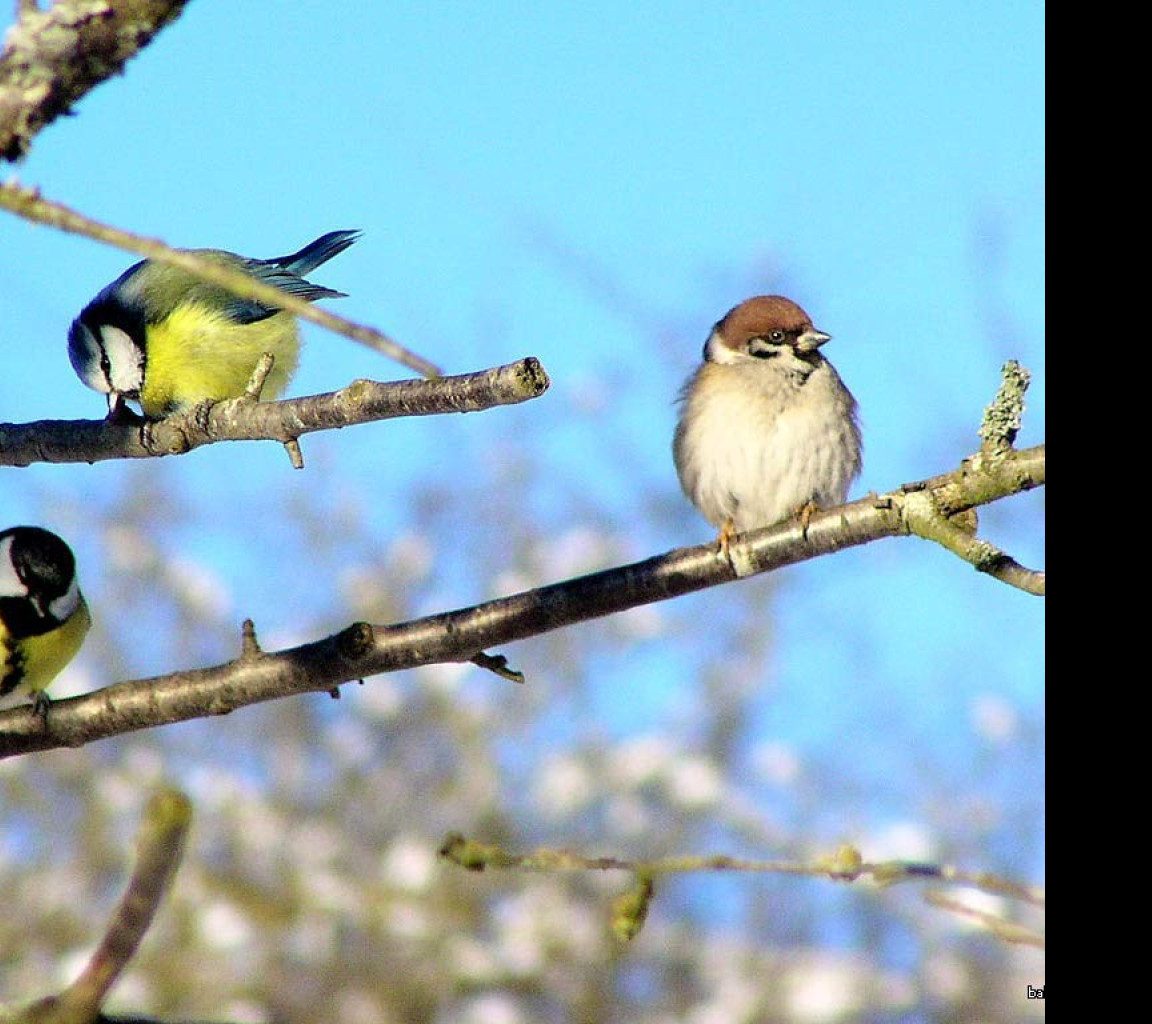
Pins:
x: 811, y: 340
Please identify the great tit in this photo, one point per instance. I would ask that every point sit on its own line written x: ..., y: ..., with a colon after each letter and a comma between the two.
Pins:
x: 43, y: 615
x: 165, y: 338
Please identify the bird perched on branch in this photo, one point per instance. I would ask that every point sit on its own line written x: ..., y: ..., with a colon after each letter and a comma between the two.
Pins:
x: 165, y: 338
x: 43, y: 616
x: 767, y: 430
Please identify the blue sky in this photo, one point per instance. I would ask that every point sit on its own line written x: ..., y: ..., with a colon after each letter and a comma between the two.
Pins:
x: 595, y: 184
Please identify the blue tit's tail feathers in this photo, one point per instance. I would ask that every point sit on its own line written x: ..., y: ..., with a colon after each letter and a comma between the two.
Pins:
x: 317, y: 252
x: 286, y: 273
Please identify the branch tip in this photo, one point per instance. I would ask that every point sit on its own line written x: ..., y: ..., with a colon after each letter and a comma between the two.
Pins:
x: 465, y: 853
x: 630, y: 908
x: 356, y: 641
x: 498, y: 664
x: 249, y: 645
x: 535, y: 377
x: 255, y: 385
x: 1004, y: 417
x: 295, y: 455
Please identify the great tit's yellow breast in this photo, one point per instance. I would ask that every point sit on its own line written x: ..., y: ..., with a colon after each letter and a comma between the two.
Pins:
x: 29, y: 664
x: 196, y: 354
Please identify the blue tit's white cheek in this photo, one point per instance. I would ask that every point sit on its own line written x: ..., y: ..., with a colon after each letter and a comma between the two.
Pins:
x: 10, y: 584
x: 66, y: 604
x: 125, y: 372
x: 85, y: 355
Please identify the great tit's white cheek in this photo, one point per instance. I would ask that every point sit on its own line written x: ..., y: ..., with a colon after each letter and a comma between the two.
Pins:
x: 66, y: 604
x: 125, y: 360
x: 10, y: 584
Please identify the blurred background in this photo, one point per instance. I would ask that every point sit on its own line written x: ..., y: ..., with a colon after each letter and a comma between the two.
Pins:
x: 593, y: 184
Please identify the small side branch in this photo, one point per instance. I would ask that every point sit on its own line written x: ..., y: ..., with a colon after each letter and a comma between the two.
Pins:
x: 1004, y: 417
x: 926, y: 515
x: 924, y: 518
x: 498, y: 665
x: 241, y: 419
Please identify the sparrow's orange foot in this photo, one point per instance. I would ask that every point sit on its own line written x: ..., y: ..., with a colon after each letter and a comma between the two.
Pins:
x: 724, y: 541
x: 804, y: 515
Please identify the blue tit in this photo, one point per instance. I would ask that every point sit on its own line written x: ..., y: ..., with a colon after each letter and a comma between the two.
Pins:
x: 166, y: 339
x: 43, y: 615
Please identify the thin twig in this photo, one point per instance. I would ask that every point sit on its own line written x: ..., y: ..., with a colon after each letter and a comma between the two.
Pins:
x: 846, y: 864
x: 1008, y: 931
x: 28, y: 203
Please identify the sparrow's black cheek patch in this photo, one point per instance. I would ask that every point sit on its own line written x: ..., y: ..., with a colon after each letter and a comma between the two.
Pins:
x: 762, y: 349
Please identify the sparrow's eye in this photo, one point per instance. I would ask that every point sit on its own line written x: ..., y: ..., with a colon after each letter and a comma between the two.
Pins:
x: 777, y: 336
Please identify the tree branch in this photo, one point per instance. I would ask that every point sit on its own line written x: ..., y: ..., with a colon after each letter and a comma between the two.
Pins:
x: 245, y: 419
x: 846, y: 864
x: 954, y: 529
x: 1008, y: 931
x: 159, y: 848
x: 52, y: 58
x: 925, y: 520
x: 27, y: 203
x: 363, y: 650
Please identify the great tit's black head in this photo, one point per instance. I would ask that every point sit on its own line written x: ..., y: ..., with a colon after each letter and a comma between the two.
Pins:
x: 38, y: 586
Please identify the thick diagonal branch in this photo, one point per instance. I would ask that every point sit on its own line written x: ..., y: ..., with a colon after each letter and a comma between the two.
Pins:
x: 363, y: 650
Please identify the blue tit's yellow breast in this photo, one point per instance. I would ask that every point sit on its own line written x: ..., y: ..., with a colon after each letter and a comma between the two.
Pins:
x: 198, y: 354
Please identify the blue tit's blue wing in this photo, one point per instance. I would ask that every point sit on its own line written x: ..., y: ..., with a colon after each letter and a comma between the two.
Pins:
x: 247, y: 311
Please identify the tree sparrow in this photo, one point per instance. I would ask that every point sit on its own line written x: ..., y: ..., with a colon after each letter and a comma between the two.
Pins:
x: 767, y: 429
